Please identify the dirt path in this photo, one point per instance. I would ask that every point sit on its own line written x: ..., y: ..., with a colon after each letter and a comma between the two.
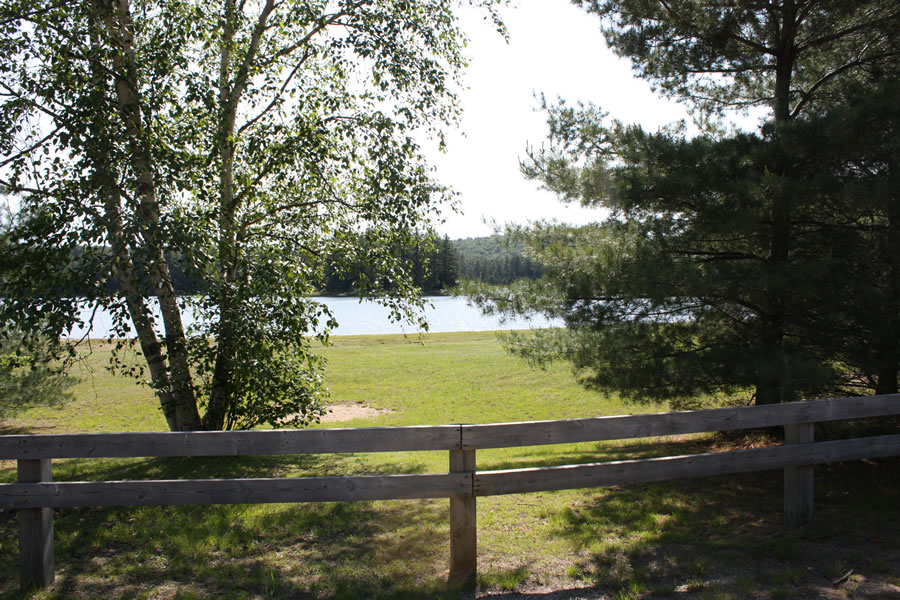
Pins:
x: 348, y: 412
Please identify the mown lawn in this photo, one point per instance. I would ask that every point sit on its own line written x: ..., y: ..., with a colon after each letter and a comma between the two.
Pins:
x: 711, y: 538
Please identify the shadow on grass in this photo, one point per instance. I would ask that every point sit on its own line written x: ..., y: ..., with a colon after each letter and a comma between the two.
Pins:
x: 392, y: 549
x: 334, y: 550
x: 725, y: 535
x: 8, y: 428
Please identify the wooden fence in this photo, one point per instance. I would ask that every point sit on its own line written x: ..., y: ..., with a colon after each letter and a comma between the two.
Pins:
x: 35, y: 494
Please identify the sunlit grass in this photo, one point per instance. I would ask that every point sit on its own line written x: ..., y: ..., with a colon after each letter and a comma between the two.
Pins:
x: 455, y: 378
x: 422, y: 379
x: 711, y: 538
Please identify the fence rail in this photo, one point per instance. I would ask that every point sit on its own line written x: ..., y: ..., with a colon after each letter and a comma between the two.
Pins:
x: 35, y: 494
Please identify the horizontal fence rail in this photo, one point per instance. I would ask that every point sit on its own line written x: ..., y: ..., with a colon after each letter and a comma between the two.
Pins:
x: 667, y: 468
x: 35, y: 495
x: 536, y: 433
x: 230, y: 443
x: 234, y: 491
x: 439, y: 437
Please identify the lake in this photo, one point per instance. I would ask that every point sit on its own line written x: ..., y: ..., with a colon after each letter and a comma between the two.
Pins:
x: 444, y: 314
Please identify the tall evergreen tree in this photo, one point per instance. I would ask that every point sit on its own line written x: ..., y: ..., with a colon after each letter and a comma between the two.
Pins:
x: 784, y: 55
x: 852, y: 152
x: 448, y: 262
x: 696, y: 281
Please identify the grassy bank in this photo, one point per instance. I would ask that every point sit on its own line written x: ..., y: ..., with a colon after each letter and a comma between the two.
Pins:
x: 712, y: 538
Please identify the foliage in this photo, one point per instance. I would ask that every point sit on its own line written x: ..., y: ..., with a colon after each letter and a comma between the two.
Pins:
x: 852, y: 153
x: 784, y: 55
x: 252, y: 140
x: 438, y: 264
x: 665, y: 300
x: 715, y: 270
x: 31, y: 372
x: 30, y: 378
x: 495, y: 259
x: 432, y: 264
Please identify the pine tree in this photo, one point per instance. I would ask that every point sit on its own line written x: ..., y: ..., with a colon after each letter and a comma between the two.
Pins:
x: 697, y: 281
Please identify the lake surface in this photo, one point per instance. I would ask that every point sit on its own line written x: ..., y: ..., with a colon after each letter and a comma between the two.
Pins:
x: 444, y: 314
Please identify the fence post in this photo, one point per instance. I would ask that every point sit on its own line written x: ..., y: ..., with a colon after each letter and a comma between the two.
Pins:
x: 463, y: 531
x: 798, y: 481
x: 35, y: 530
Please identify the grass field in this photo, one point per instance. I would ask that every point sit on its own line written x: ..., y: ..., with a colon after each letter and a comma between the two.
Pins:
x: 713, y: 538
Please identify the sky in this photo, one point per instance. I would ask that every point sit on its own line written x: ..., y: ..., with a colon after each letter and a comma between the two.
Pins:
x: 554, y: 48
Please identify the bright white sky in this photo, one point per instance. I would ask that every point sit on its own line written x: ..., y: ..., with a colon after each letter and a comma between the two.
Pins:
x: 554, y: 48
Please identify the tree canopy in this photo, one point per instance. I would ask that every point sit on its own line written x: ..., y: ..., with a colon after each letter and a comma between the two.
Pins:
x: 783, y: 55
x: 255, y: 140
x: 729, y: 260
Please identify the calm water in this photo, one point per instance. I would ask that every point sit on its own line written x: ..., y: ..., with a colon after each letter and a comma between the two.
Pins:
x: 366, y: 318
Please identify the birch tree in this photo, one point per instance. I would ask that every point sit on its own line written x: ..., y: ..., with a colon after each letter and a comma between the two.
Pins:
x: 251, y: 138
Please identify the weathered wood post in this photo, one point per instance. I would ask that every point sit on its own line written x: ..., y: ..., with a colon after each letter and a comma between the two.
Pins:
x: 35, y: 530
x: 463, y: 531
x: 798, y: 481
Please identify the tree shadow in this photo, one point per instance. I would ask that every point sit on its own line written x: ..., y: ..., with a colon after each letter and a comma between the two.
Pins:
x: 726, y: 533
x: 16, y: 428
x: 395, y: 549
x: 278, y: 550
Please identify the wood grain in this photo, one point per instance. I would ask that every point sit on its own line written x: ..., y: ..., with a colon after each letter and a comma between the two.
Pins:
x: 233, y: 491
x: 463, y: 526
x: 533, y: 433
x: 36, y: 557
x: 798, y: 481
x: 230, y: 443
x: 489, y: 483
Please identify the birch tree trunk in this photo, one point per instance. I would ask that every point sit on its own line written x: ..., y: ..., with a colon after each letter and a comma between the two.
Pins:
x: 232, y: 83
x: 180, y: 391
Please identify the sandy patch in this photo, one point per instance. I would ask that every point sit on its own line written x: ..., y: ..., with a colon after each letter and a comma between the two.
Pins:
x: 347, y: 412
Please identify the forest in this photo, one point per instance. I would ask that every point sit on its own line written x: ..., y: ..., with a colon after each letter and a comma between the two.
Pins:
x: 723, y: 260
x: 436, y: 265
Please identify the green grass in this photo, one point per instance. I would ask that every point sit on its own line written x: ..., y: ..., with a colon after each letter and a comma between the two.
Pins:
x: 711, y: 538
x: 507, y: 580
x: 454, y: 378
x: 428, y: 379
x: 102, y: 402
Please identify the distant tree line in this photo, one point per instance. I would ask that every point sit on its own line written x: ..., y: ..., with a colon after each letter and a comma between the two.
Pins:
x: 435, y: 264
x: 495, y: 260
x: 432, y: 264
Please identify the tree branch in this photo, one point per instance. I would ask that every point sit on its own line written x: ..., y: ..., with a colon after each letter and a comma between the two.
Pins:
x: 34, y: 147
x: 827, y: 77
x: 34, y: 104
x: 278, y: 95
x: 844, y: 32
